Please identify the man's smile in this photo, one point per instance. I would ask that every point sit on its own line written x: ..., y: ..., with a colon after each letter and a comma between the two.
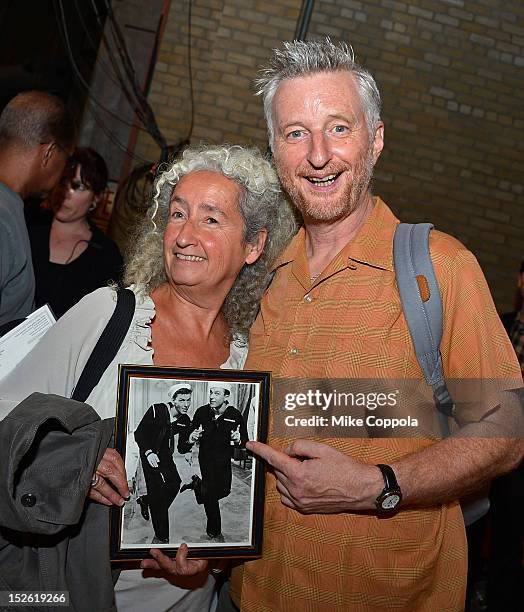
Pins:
x: 324, y: 181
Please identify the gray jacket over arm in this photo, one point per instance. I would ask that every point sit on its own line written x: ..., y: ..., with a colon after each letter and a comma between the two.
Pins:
x: 49, y: 535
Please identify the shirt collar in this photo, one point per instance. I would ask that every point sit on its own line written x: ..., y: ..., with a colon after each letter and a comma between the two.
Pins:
x: 11, y: 192
x: 218, y: 414
x: 372, y: 246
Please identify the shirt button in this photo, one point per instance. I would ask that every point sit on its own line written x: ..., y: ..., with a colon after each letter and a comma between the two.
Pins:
x: 28, y: 500
x: 294, y: 351
x: 308, y: 298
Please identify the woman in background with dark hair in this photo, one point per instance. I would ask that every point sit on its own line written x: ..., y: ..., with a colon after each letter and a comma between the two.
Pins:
x: 71, y: 256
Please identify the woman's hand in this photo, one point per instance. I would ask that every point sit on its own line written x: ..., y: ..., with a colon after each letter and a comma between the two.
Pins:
x: 110, y: 470
x: 180, y: 566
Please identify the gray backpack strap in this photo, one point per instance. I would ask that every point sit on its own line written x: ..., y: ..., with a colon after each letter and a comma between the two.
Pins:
x: 424, y: 318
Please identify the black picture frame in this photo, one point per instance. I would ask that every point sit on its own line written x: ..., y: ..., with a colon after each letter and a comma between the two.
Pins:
x: 143, y: 413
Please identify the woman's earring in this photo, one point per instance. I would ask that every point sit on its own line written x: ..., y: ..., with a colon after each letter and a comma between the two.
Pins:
x: 92, y: 207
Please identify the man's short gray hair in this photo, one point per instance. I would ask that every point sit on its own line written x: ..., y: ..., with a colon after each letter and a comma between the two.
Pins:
x: 302, y: 58
x: 261, y: 204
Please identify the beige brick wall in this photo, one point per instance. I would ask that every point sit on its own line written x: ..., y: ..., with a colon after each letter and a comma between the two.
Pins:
x: 230, y: 39
x: 451, y: 76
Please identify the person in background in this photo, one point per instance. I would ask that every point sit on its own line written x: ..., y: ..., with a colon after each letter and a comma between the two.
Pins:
x: 71, y: 256
x: 36, y: 137
x: 514, y: 321
x: 505, y: 591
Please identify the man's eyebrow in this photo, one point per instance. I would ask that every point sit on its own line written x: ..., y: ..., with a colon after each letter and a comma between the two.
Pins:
x: 342, y: 117
x: 287, y: 125
x: 351, y: 118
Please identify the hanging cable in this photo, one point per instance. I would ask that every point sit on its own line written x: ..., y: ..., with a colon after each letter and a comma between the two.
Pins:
x: 92, y: 101
x: 124, y: 73
x: 117, y: 69
x: 150, y: 121
x: 190, y: 69
x: 67, y: 44
x: 104, y: 67
x: 111, y: 136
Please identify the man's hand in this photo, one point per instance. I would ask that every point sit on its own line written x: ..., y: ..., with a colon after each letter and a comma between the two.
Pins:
x: 314, y: 478
x: 195, y: 435
x: 180, y: 566
x: 153, y: 460
x: 235, y: 435
x: 110, y: 470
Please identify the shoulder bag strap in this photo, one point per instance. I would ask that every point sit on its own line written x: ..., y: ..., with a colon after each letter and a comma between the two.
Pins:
x: 424, y: 318
x: 107, y: 346
x: 414, y: 271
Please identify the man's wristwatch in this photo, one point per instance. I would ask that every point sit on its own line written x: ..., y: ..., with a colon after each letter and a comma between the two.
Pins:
x: 391, y: 496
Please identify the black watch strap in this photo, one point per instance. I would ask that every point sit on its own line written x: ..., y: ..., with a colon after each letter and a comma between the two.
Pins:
x: 390, y: 480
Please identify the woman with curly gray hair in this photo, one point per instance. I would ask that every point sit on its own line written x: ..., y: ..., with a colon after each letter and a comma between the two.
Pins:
x: 261, y: 206
x: 198, y: 269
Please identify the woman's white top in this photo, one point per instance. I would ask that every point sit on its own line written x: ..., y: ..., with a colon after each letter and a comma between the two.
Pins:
x: 55, y: 365
x: 57, y: 361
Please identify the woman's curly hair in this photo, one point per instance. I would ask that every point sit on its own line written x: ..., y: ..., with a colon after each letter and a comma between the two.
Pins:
x: 261, y: 204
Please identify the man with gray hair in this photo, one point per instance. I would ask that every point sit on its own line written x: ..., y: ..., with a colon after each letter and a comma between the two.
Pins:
x: 394, y: 537
x: 37, y: 136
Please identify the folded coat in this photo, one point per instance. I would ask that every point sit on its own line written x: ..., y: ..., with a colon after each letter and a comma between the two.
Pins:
x: 51, y: 537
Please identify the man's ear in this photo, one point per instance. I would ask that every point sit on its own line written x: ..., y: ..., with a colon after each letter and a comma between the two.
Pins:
x: 378, y: 142
x: 47, y: 151
x: 255, y: 249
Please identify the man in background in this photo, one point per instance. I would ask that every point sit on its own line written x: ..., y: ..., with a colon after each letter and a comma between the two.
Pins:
x: 505, y: 570
x: 514, y: 321
x: 37, y: 136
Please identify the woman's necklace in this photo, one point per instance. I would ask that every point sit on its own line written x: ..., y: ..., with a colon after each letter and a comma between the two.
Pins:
x: 74, y: 247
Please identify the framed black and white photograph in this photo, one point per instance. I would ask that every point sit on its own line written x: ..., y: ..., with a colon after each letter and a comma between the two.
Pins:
x: 182, y: 434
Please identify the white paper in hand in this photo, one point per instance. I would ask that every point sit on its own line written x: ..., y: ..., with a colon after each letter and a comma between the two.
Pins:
x: 15, y: 345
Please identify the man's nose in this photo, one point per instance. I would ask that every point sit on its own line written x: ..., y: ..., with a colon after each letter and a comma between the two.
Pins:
x: 319, y: 152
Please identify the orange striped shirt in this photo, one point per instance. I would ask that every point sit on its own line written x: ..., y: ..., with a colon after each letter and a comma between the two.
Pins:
x: 348, y: 323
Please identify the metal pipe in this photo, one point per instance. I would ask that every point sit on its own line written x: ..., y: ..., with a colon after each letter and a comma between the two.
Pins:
x: 304, y: 19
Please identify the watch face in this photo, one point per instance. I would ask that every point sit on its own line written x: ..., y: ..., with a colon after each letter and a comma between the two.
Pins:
x: 390, y: 502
